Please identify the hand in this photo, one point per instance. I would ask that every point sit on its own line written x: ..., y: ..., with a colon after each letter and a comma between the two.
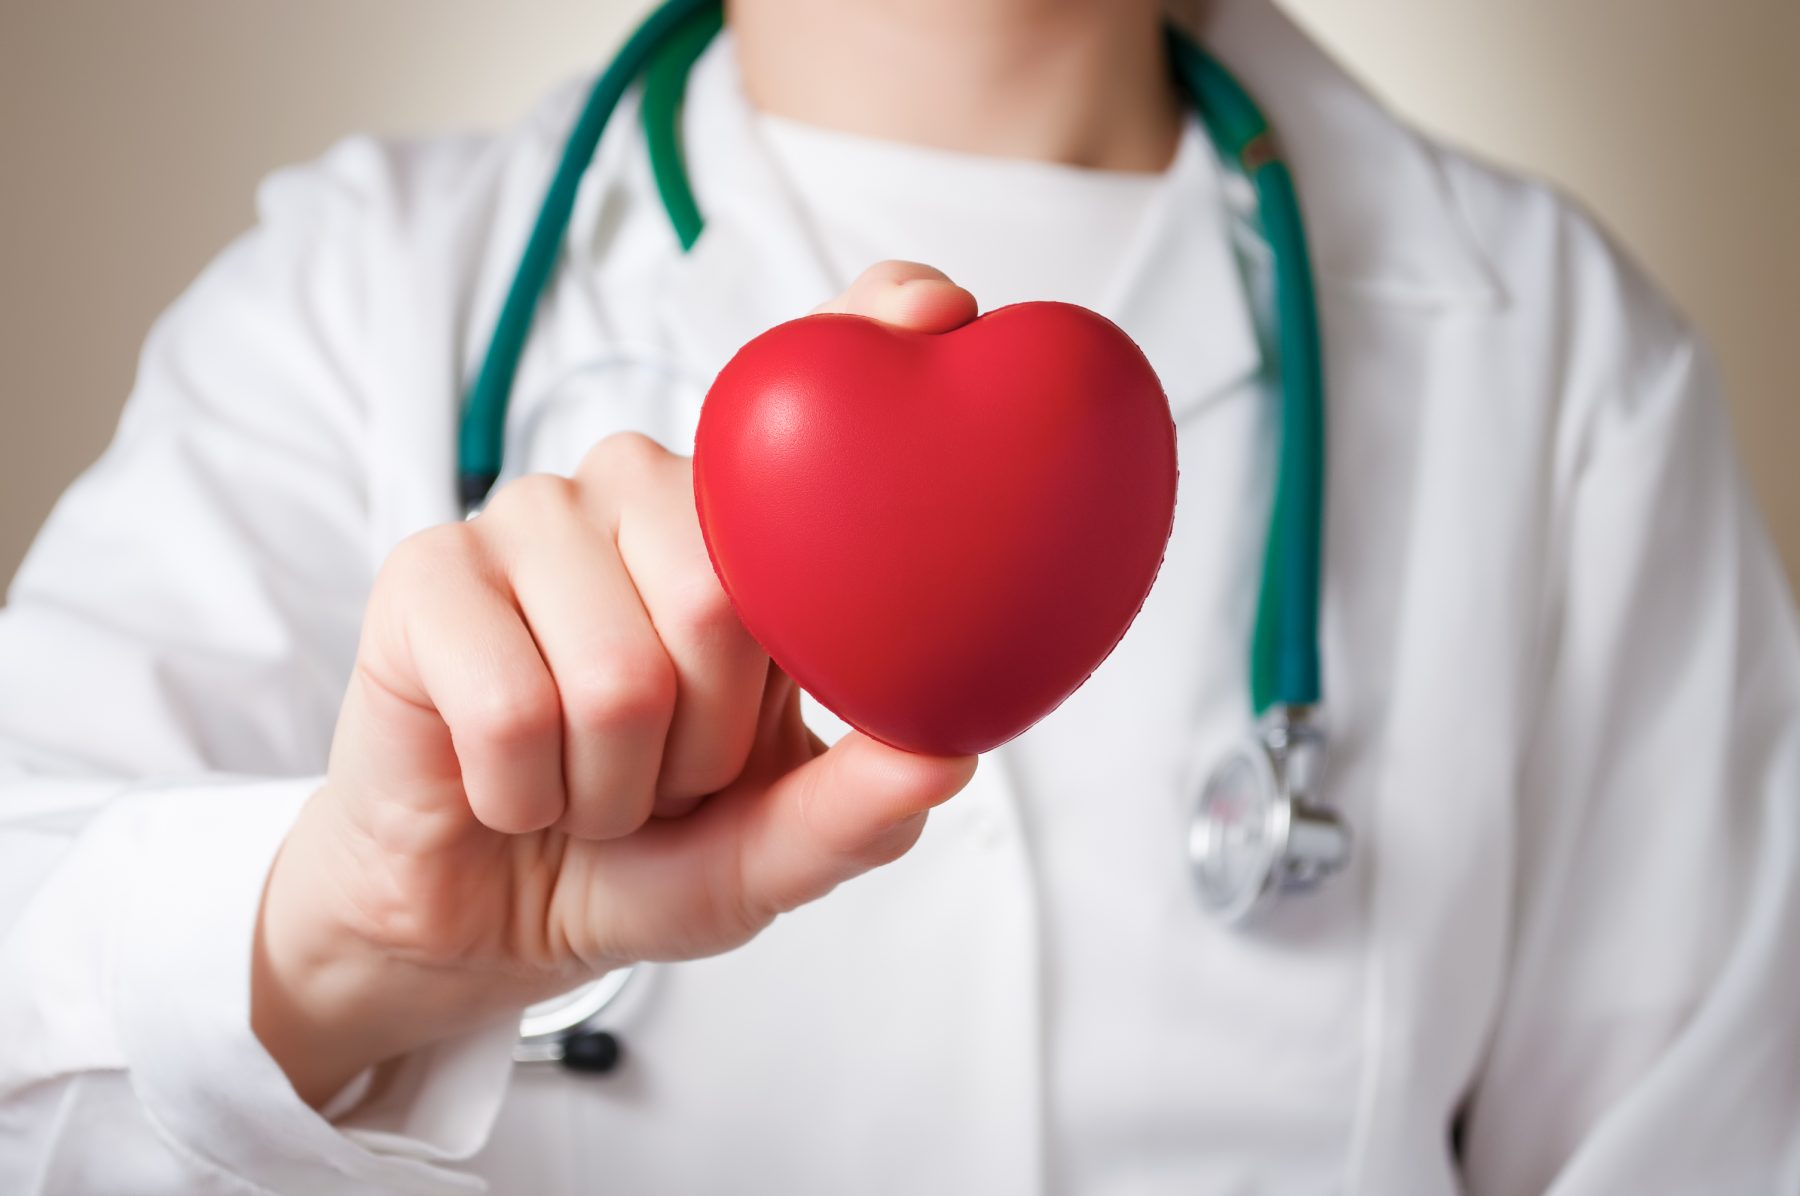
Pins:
x: 560, y: 753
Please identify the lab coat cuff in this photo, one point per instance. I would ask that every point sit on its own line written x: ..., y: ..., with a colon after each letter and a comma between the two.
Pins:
x: 181, y: 995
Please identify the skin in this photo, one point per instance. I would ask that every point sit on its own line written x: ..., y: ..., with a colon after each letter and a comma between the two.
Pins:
x: 559, y: 752
x: 1080, y: 82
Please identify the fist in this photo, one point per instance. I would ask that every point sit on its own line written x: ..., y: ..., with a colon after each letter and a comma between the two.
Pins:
x: 559, y: 753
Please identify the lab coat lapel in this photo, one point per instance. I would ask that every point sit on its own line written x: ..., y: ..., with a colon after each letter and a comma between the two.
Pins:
x: 1180, y: 293
x: 1381, y: 223
x: 1391, y: 252
x: 755, y: 265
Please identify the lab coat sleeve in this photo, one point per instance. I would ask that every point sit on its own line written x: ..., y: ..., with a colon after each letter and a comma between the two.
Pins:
x: 1649, y: 1039
x: 171, y: 659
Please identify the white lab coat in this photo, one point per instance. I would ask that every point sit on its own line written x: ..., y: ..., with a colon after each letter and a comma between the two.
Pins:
x: 1563, y: 670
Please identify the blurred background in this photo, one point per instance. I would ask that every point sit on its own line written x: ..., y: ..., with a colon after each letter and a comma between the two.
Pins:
x: 132, y: 134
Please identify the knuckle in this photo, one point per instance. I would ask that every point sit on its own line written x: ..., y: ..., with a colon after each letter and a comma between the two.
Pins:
x: 425, y: 556
x: 425, y: 564
x: 629, y: 688
x: 698, y: 612
x: 623, y: 457
x: 818, y: 828
x: 744, y: 917
x: 534, y: 493
x: 887, y: 270
x: 733, y: 903
x: 895, y: 842
x: 514, y: 716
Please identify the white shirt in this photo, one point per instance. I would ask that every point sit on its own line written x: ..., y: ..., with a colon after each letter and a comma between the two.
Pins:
x: 1009, y: 230
x: 1562, y: 665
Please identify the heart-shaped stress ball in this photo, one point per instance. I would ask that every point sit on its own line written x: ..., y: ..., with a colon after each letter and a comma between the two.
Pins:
x: 938, y: 536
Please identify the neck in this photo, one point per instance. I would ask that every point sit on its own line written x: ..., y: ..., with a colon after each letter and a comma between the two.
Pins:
x: 1081, y: 82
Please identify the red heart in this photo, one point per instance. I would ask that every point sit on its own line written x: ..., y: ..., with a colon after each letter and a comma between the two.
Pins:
x: 939, y: 537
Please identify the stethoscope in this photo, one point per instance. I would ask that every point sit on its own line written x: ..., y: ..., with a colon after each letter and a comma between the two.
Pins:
x: 1260, y: 828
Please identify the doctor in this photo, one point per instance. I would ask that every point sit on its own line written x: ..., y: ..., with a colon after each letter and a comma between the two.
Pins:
x: 307, y: 787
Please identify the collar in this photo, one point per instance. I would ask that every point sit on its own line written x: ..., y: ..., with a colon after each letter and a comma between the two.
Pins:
x: 1382, y: 223
x: 1380, y: 217
x: 755, y: 264
x: 1178, y: 292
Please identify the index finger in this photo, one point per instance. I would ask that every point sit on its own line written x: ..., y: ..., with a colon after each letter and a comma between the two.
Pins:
x: 908, y: 295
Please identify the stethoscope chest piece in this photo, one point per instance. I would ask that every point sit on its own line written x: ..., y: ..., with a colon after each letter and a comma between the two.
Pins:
x: 562, y: 1031
x: 1258, y: 830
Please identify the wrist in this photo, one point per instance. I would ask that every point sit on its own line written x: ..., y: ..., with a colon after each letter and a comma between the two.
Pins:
x: 327, y: 1003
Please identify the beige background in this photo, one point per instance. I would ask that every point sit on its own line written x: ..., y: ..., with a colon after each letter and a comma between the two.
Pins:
x: 133, y: 131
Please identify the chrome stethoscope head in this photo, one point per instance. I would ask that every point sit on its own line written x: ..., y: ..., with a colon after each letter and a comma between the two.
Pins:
x: 562, y: 1030
x: 1259, y: 829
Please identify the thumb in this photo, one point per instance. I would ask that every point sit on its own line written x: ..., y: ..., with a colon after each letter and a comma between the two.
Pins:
x: 859, y: 805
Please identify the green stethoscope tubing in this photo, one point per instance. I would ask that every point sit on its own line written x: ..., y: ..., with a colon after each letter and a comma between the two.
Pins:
x: 1284, y: 653
x: 1284, y: 665
x: 481, y: 435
